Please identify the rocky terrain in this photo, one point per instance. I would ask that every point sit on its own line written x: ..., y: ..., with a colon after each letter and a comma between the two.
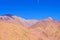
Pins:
x: 16, y: 28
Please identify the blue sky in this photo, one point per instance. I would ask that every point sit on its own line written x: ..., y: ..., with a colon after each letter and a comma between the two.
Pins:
x: 31, y: 9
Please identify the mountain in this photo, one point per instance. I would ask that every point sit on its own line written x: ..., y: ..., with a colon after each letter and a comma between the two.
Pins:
x: 13, y: 27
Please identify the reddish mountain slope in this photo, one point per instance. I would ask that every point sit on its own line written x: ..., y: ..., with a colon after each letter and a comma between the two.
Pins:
x: 15, y: 28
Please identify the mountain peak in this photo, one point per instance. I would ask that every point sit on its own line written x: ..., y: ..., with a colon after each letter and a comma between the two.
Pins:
x: 10, y: 15
x: 50, y: 18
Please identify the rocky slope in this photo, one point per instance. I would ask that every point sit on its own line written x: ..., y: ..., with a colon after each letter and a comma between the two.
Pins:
x: 16, y: 28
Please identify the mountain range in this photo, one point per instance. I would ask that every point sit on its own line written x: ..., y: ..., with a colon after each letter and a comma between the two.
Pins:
x: 13, y: 27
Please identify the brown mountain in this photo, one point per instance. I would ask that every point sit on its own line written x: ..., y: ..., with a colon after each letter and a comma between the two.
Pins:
x: 16, y: 28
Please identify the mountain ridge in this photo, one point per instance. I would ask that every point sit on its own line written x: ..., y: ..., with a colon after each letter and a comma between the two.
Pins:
x: 13, y: 27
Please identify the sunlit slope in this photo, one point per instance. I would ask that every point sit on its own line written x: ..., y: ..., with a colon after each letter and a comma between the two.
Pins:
x: 17, y: 28
x: 47, y: 29
x: 13, y: 32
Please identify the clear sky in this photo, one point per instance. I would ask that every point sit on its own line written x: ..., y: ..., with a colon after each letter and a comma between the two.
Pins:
x: 31, y: 9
